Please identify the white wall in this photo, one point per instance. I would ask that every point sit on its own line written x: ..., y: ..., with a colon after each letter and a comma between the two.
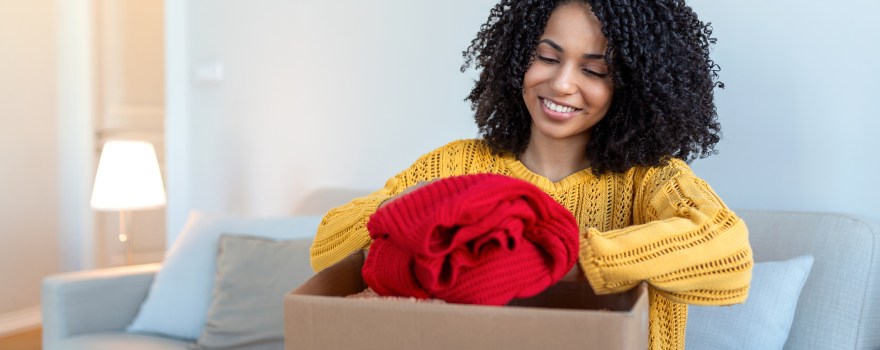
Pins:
x: 341, y: 93
x: 347, y: 93
x: 800, y: 113
x: 28, y: 153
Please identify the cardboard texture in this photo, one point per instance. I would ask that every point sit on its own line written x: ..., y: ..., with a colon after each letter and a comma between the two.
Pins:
x: 566, y: 316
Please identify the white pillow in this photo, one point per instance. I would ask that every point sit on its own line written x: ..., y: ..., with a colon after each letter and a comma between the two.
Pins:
x: 763, y: 321
x: 180, y: 296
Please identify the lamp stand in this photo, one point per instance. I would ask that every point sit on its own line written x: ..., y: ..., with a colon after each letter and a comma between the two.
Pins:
x: 125, y: 237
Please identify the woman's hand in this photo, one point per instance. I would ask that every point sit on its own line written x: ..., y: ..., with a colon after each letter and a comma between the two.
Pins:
x: 395, y: 197
x: 405, y: 192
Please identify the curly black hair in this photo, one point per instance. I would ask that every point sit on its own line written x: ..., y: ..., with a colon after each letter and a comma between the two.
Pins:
x: 658, y: 53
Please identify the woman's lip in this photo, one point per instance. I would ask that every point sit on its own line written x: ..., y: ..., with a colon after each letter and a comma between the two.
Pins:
x: 557, y: 115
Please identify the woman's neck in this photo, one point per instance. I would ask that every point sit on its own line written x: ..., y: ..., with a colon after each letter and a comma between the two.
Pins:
x: 555, y: 159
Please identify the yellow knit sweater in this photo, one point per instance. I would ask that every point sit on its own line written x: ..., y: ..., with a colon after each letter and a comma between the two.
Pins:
x: 662, y: 225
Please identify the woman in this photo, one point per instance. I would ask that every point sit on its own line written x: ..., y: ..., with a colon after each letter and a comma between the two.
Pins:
x: 600, y: 104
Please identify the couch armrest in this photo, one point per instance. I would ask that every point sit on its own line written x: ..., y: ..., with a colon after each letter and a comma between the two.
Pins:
x: 91, y: 301
x: 838, y: 307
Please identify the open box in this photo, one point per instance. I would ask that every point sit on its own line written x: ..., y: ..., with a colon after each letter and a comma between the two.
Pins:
x: 565, y: 316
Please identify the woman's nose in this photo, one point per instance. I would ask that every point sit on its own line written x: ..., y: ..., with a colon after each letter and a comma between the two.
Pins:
x: 563, y: 81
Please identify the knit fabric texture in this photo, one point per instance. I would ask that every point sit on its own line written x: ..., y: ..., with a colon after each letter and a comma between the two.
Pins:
x: 662, y: 224
x: 471, y: 239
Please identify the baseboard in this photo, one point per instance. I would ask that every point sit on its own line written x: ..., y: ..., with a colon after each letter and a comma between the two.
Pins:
x: 19, y: 321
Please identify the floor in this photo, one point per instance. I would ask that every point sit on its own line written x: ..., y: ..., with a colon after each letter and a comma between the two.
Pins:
x: 29, y: 340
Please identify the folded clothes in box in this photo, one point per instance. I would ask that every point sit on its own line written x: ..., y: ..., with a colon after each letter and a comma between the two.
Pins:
x: 568, y: 315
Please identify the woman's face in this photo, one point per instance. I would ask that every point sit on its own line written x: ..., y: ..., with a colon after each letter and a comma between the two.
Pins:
x: 568, y: 88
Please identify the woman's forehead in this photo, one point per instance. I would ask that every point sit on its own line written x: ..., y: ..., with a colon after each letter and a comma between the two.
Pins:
x: 573, y: 26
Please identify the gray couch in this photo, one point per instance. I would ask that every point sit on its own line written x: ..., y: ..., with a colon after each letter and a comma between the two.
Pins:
x: 839, y: 307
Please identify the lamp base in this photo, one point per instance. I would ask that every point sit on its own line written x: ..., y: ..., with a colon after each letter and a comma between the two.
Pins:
x: 125, y: 237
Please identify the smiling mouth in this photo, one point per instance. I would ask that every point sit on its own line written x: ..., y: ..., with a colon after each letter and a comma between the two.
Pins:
x: 558, y: 108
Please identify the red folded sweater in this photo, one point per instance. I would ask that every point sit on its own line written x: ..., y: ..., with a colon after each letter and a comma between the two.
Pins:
x: 475, y: 239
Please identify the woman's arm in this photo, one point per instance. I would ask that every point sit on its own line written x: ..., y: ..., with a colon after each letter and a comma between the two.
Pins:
x: 344, y: 229
x: 690, y: 246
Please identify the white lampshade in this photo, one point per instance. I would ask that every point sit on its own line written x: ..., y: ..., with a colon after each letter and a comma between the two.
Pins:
x: 128, y: 177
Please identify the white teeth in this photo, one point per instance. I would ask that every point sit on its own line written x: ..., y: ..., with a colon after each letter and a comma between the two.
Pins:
x: 557, y: 108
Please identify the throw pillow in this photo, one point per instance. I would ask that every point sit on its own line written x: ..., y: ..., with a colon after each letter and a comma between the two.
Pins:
x: 253, y: 275
x: 763, y: 321
x: 178, y: 300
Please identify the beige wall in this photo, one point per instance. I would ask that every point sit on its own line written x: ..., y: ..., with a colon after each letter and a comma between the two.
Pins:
x: 28, y: 151
x: 129, y: 54
x: 74, y: 73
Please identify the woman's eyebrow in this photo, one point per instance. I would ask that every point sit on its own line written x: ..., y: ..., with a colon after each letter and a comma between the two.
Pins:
x: 589, y: 56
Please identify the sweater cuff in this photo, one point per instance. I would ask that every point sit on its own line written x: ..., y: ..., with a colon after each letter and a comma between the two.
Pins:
x: 590, y: 264
x: 373, y: 206
x: 370, y: 208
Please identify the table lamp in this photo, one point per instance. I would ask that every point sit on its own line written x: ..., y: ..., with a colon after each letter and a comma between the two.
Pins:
x: 128, y: 178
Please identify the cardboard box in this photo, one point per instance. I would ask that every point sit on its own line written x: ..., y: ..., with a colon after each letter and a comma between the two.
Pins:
x: 566, y: 316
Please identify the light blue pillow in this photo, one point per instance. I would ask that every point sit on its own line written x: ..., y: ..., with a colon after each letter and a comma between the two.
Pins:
x: 763, y: 321
x: 179, y: 299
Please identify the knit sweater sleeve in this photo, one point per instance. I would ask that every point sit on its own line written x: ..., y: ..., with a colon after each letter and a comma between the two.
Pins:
x: 687, y: 243
x: 344, y: 229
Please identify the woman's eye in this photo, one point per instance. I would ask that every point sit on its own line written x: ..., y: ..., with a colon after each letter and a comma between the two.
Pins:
x: 547, y: 59
x: 593, y: 73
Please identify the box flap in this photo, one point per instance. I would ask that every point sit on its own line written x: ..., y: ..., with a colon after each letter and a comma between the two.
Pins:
x: 340, y: 279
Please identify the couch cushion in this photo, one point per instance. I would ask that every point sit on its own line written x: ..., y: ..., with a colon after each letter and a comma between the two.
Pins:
x: 763, y: 321
x: 116, y: 341
x: 253, y: 276
x: 838, y: 307
x: 180, y: 296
